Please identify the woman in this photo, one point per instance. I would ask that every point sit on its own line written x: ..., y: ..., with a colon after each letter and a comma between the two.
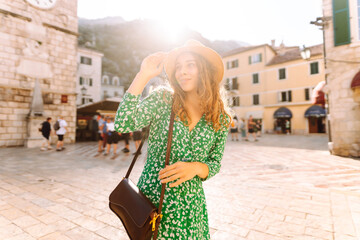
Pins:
x: 234, y: 129
x: 200, y: 132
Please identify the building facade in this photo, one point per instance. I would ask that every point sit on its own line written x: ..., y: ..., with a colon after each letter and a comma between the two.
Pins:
x: 274, y: 85
x: 38, y: 41
x: 111, y: 86
x: 342, y: 43
x: 88, y: 85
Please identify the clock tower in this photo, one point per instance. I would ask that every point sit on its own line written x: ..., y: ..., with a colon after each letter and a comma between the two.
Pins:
x: 38, y: 64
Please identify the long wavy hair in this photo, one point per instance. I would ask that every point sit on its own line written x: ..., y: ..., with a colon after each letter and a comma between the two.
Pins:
x: 211, y: 95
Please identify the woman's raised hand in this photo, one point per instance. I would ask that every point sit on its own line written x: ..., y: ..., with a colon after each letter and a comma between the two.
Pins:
x: 153, y: 65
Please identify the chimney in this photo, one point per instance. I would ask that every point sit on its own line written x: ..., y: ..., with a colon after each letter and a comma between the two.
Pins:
x: 273, y: 43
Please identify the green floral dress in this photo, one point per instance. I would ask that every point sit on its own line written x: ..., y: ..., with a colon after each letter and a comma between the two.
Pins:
x: 184, y: 207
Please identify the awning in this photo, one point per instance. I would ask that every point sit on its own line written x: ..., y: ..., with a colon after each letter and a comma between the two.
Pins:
x: 110, y: 104
x: 318, y: 96
x: 315, y: 111
x: 355, y: 83
x: 283, y: 112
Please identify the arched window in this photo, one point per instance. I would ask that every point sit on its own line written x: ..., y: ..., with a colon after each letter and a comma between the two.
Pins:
x: 116, y: 81
x: 105, y: 80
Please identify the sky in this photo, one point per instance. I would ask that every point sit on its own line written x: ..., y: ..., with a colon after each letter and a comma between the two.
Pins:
x: 251, y: 21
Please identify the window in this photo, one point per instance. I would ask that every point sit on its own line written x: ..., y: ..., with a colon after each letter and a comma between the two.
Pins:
x: 282, y: 73
x: 256, y: 99
x: 90, y: 82
x: 255, y: 78
x: 81, y: 81
x: 341, y: 22
x: 85, y: 60
x: 285, y: 96
x: 307, y: 94
x: 256, y: 58
x: 232, y: 64
x: 314, y: 68
x: 236, y: 101
x: 234, y: 84
x: 116, y: 94
x: 105, y: 80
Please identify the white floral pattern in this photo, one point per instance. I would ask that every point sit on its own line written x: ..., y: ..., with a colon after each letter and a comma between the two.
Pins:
x: 184, y: 207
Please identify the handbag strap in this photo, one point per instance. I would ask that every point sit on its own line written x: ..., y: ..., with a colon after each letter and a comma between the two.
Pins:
x: 168, y: 150
x: 136, y: 155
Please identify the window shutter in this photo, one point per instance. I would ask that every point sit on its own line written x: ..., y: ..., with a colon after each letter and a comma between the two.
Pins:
x: 249, y: 59
x: 279, y: 96
x: 341, y: 22
x: 289, y: 96
x: 227, y: 65
x: 260, y: 57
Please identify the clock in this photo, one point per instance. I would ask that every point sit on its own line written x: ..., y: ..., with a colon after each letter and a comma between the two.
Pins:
x: 42, y: 4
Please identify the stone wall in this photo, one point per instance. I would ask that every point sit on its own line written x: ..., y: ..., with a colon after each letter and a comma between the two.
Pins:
x: 344, y: 105
x: 36, y: 43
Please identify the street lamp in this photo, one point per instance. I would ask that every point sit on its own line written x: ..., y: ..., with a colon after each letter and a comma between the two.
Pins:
x: 83, y: 91
x: 305, y: 53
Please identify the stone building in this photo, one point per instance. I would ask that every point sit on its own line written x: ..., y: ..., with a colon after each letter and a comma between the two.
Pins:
x: 88, y: 86
x: 38, y: 45
x: 342, y: 43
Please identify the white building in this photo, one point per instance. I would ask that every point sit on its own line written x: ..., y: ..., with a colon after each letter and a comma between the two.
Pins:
x: 111, y: 86
x: 88, y: 84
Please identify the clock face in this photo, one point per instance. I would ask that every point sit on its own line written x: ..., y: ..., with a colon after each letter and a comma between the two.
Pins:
x: 43, y: 4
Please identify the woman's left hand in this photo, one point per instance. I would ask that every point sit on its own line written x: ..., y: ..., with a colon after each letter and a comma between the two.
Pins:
x: 180, y: 171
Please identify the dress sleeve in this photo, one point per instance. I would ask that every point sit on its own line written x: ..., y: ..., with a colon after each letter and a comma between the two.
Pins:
x: 213, y: 161
x: 133, y: 115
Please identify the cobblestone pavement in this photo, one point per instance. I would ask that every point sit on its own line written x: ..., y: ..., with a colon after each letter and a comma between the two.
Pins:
x: 282, y: 187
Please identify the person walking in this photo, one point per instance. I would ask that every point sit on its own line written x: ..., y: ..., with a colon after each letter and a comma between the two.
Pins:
x: 200, y: 132
x: 234, y: 129
x: 287, y: 126
x: 258, y: 128
x: 60, y: 132
x: 251, y: 129
x: 243, y: 128
x: 101, y: 123
x: 112, y: 139
x: 45, y: 131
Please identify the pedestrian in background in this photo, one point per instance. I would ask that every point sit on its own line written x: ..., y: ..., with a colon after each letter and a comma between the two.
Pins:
x: 45, y: 131
x: 258, y: 128
x: 60, y: 133
x: 251, y: 129
x: 105, y: 133
x: 234, y: 129
x: 243, y: 128
x: 287, y: 126
x: 113, y: 137
x: 125, y: 137
x: 101, y: 123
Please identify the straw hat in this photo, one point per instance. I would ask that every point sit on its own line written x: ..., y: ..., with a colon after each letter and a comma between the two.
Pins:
x: 196, y: 47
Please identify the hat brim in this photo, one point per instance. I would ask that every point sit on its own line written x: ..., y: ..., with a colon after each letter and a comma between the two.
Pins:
x: 209, y: 54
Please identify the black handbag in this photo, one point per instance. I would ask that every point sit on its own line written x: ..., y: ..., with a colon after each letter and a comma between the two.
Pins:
x: 138, y: 214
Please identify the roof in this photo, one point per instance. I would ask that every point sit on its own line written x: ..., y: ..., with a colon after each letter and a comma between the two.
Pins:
x: 104, y: 105
x: 243, y: 49
x: 294, y: 54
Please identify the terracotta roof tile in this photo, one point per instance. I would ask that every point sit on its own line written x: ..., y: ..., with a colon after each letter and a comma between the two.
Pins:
x: 294, y: 54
